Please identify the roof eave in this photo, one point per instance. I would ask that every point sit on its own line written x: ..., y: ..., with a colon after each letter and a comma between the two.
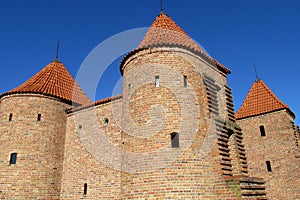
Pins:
x: 255, y: 115
x: 69, y: 102
x: 213, y: 62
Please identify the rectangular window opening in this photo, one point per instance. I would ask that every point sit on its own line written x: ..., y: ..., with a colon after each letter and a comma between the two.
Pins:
x: 13, y: 159
x: 39, y: 117
x: 185, y: 81
x: 10, y: 117
x: 156, y: 81
x: 175, y: 140
x: 85, y: 189
x: 269, y: 168
x: 262, y: 131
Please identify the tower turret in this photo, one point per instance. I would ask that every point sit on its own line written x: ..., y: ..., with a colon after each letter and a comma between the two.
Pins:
x: 33, y: 123
x: 271, y: 140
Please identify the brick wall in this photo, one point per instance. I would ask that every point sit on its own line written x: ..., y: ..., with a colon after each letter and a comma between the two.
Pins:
x: 278, y: 147
x: 93, y: 153
x: 39, y: 146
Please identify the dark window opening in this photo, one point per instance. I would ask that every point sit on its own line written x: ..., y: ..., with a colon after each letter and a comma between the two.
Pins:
x: 79, y: 126
x: 85, y: 189
x: 105, y: 121
x: 269, y: 168
x: 10, y: 117
x: 175, y: 140
x: 262, y: 131
x: 39, y: 117
x: 13, y: 159
x: 185, y: 81
x: 156, y: 81
x: 230, y: 133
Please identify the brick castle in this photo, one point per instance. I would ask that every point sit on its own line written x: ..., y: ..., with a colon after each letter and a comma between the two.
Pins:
x: 172, y: 134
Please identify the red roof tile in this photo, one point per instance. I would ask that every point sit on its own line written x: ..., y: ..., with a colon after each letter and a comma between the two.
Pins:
x: 260, y: 99
x: 165, y: 32
x: 53, y: 80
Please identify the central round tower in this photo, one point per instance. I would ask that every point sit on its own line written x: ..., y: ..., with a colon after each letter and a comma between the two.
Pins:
x: 168, y: 149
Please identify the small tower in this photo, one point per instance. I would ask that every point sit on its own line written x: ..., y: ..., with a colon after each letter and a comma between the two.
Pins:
x: 33, y: 125
x: 271, y: 141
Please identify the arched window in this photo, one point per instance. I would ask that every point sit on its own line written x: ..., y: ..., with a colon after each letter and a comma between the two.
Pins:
x: 174, y: 140
x: 105, y: 121
x: 185, y: 81
x: 230, y: 133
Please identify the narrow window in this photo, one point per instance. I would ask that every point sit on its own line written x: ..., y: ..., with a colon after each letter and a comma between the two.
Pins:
x: 105, y: 121
x: 269, y: 168
x: 262, y: 131
x: 85, y: 189
x: 39, y: 117
x: 13, y: 159
x: 156, y: 81
x: 10, y: 117
x: 175, y: 140
x: 185, y: 81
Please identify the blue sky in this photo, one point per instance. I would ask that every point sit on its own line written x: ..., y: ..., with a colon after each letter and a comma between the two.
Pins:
x: 237, y: 33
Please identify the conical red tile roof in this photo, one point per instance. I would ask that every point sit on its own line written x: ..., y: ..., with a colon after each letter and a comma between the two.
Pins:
x: 53, y: 80
x: 165, y: 32
x: 260, y: 99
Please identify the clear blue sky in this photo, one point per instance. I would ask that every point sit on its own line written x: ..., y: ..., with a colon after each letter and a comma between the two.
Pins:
x: 237, y: 33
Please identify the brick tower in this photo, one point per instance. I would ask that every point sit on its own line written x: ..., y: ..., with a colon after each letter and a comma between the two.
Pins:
x: 178, y: 122
x: 272, y: 141
x: 33, y: 125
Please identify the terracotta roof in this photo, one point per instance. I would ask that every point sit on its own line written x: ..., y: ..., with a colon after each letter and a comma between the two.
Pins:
x: 165, y: 32
x: 260, y: 99
x: 53, y: 80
